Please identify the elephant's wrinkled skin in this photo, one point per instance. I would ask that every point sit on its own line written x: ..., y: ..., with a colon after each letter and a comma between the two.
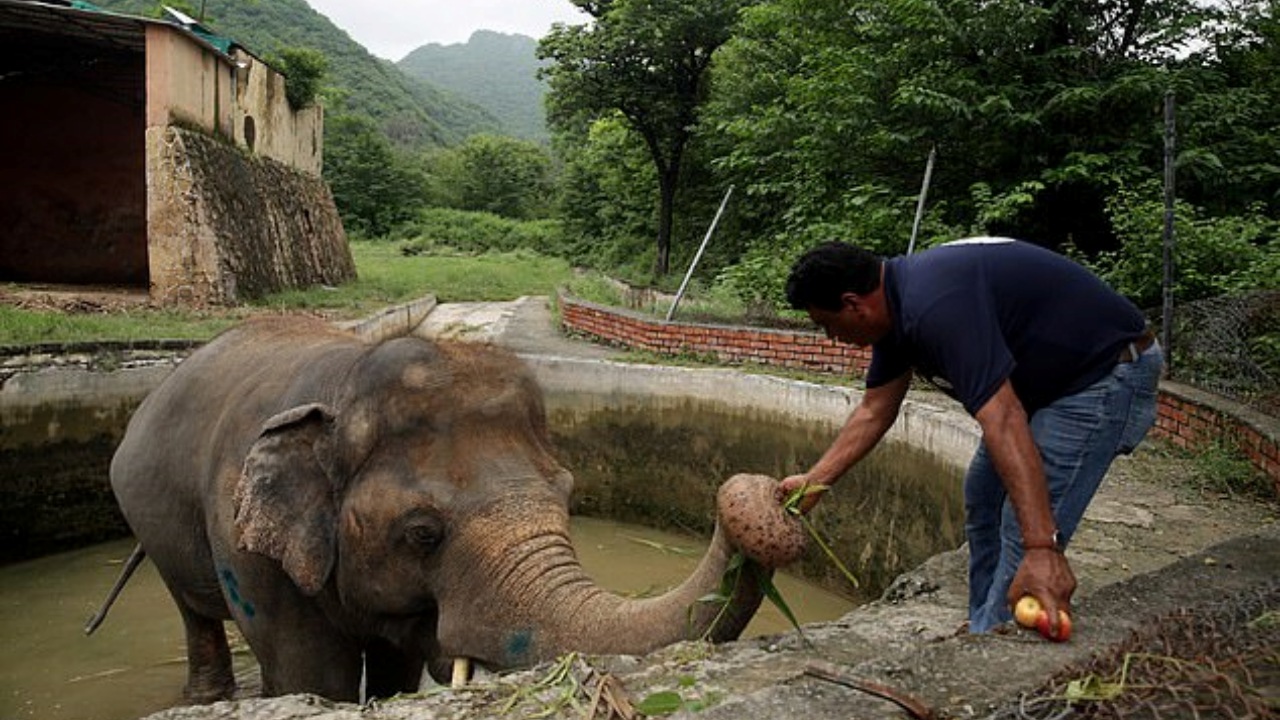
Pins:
x: 387, y: 505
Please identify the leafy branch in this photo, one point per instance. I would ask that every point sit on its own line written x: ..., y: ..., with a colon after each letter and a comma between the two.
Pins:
x: 733, y: 572
x: 792, y: 506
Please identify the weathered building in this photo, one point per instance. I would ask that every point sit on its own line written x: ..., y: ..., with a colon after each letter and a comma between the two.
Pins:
x: 154, y: 154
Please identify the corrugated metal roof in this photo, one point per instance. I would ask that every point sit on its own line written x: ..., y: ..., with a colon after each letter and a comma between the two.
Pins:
x: 33, y: 23
x: 55, y: 45
x: 52, y: 23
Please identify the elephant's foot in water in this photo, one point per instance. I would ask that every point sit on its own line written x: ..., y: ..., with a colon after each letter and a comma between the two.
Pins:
x: 210, y: 677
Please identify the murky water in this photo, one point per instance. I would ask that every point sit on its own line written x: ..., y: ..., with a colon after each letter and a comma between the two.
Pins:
x: 135, y: 663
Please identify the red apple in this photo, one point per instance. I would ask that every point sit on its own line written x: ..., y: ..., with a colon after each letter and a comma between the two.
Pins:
x: 1030, y: 613
x: 1064, y: 626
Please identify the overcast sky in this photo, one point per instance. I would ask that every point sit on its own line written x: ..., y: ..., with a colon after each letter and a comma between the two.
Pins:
x: 392, y: 28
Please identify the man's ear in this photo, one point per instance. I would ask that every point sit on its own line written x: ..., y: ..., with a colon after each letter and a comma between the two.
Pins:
x: 850, y: 299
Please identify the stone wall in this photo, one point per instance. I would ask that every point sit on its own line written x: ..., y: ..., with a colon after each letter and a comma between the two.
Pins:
x: 225, y: 226
x: 267, y: 125
x: 1187, y: 417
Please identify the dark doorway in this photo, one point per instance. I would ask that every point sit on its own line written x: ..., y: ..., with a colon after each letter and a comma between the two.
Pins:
x: 73, y: 198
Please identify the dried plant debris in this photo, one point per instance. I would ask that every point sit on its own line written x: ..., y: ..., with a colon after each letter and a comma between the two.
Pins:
x: 1221, y: 661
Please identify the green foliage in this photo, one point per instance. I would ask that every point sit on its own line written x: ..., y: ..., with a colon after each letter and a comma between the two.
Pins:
x: 667, y: 702
x: 608, y: 200
x: 387, y: 276
x: 759, y: 279
x: 820, y: 102
x: 1224, y: 468
x: 490, y: 173
x: 445, y: 230
x: 792, y: 506
x: 30, y: 327
x: 304, y: 69
x: 374, y: 187
x: 1213, y: 255
x: 460, y: 278
x: 645, y: 61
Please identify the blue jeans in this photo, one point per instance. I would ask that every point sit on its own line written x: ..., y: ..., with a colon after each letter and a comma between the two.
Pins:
x: 1078, y: 437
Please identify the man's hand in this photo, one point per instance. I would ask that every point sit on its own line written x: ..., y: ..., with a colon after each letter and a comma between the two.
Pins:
x: 1046, y: 574
x: 813, y: 491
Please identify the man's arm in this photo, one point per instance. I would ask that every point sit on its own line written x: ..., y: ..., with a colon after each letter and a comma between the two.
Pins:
x: 868, y: 422
x: 1044, y: 572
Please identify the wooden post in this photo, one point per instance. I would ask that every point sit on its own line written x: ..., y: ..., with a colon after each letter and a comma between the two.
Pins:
x: 1166, y: 327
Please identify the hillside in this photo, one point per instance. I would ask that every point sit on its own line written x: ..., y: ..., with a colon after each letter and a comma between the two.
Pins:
x: 496, y: 71
x: 412, y: 112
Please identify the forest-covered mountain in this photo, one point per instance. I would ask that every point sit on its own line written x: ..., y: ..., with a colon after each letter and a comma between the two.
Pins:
x: 494, y: 70
x: 413, y: 113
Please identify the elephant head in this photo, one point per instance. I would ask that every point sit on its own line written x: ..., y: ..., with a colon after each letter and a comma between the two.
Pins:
x: 418, y: 500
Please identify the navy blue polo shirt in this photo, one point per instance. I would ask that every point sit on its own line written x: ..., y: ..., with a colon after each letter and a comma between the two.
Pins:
x: 969, y: 314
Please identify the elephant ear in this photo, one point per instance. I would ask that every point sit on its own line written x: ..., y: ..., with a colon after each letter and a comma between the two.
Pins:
x: 285, y: 500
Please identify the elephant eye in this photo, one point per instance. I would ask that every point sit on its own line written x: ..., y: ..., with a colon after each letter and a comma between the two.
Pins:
x: 425, y: 536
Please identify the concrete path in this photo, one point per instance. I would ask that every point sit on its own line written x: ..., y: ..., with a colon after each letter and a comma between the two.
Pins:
x: 525, y: 326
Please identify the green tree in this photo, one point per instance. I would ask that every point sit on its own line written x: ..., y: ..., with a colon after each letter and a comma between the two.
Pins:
x: 647, y: 61
x: 1037, y: 110
x: 1213, y: 255
x: 491, y: 173
x: 373, y: 187
x: 303, y: 69
x: 607, y: 200
x: 1228, y: 117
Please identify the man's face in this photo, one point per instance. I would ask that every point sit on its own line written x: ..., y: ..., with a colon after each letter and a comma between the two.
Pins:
x: 852, y: 324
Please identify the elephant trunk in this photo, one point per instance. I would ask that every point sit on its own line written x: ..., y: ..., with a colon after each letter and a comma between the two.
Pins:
x: 541, y: 602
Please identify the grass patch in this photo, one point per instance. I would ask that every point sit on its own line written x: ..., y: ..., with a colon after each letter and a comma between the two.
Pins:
x: 388, y: 273
x: 385, y: 276
x: 19, y: 326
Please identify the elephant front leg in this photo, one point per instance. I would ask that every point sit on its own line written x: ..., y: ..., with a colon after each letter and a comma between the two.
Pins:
x: 299, y: 651
x: 389, y: 671
x: 209, y: 674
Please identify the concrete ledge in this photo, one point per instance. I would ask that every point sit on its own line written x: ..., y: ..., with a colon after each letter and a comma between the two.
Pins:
x: 394, y: 321
x: 947, y: 433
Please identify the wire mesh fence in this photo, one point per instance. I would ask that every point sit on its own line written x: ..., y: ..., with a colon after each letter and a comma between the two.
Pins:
x: 1230, y: 345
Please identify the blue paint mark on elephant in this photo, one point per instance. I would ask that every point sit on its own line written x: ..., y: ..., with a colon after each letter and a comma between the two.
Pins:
x: 232, y: 585
x: 518, y: 646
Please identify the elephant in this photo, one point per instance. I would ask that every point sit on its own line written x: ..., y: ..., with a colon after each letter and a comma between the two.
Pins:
x: 363, y: 509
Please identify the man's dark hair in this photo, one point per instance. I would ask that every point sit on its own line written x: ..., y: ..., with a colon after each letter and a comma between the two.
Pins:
x: 826, y: 272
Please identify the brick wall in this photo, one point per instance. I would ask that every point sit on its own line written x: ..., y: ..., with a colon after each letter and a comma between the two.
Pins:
x: 1188, y: 417
x: 724, y: 343
x: 1192, y: 418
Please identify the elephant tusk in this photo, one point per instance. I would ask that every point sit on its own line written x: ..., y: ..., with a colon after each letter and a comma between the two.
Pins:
x: 461, y: 670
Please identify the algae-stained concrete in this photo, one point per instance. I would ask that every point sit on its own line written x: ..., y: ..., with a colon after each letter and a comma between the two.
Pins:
x: 224, y: 225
